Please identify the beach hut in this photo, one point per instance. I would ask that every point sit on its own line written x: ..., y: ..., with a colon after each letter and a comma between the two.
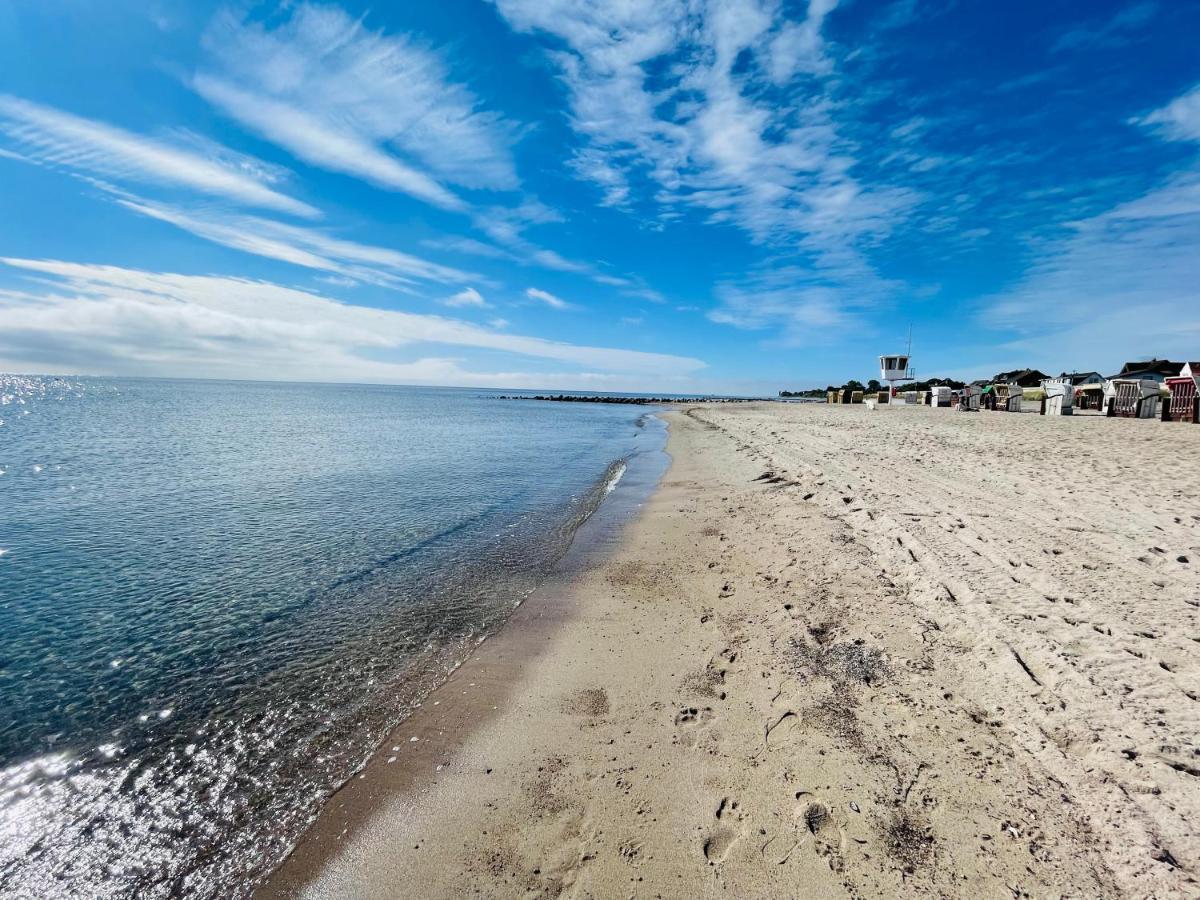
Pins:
x: 1008, y: 396
x: 1089, y: 396
x: 1131, y: 398
x: 1184, y: 404
x: 940, y: 396
x: 1059, y: 399
x: 969, y: 402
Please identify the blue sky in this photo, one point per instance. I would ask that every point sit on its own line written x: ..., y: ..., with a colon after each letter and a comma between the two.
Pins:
x: 644, y: 195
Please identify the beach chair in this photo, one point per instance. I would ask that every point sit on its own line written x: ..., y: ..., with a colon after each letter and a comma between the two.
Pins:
x: 1008, y: 397
x: 940, y: 397
x: 856, y: 397
x: 1131, y: 398
x: 1089, y: 396
x: 969, y: 401
x: 1059, y: 399
x: 1184, y: 402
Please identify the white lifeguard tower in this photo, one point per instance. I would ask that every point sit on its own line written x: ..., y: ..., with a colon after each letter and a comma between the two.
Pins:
x: 897, y: 368
x: 893, y: 369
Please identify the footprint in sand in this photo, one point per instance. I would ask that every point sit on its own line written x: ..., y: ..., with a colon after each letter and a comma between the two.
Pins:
x: 719, y: 841
x: 693, y: 715
x: 819, y: 825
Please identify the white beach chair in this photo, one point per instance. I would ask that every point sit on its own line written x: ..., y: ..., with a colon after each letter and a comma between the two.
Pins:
x: 1131, y: 398
x: 1060, y: 397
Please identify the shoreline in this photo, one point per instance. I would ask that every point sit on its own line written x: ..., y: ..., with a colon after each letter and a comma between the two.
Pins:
x: 836, y: 655
x: 474, y: 692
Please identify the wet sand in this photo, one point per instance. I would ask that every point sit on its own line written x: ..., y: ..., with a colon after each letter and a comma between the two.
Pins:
x: 841, y: 653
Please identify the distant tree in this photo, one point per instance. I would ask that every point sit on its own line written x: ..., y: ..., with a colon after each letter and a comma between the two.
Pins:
x: 873, y: 386
x: 811, y: 392
x: 931, y: 383
x: 853, y: 385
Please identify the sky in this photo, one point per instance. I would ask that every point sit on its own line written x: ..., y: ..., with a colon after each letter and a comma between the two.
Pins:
x: 644, y: 195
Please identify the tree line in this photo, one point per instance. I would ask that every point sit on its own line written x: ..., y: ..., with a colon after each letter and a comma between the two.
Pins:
x: 873, y: 386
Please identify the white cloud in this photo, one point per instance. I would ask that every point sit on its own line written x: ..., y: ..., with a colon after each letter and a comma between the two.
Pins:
x: 1179, y: 119
x: 498, y: 323
x: 1120, y: 285
x: 343, y: 97
x: 661, y: 89
x: 307, y: 247
x: 338, y: 280
x: 595, y: 166
x: 547, y: 298
x: 727, y: 108
x: 807, y: 309
x: 466, y: 297
x: 105, y: 319
x: 57, y: 138
x: 799, y: 47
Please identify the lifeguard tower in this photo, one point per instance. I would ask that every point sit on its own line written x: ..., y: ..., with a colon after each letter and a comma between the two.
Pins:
x: 895, y: 368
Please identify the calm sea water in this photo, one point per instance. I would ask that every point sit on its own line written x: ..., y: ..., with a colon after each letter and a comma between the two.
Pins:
x: 215, y: 598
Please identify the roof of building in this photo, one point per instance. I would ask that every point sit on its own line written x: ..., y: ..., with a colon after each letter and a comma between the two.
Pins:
x: 1152, y: 366
x: 1073, y: 376
x: 1023, y: 377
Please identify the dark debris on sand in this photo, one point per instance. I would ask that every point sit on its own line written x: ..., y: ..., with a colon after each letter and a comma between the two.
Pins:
x: 845, y: 661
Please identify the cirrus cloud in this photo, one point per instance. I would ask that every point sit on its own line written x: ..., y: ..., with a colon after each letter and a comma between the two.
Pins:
x: 547, y: 298
x: 59, y: 138
x: 372, y: 105
x: 110, y: 320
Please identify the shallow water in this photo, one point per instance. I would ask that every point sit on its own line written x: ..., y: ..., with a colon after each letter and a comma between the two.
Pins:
x: 216, y: 597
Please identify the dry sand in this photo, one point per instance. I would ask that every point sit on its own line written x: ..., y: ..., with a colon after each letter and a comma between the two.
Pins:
x: 843, y: 653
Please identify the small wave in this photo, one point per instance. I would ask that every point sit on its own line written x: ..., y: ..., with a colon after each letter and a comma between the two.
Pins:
x: 614, y: 477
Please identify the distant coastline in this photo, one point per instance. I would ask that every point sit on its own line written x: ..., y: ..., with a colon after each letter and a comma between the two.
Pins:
x: 613, y: 398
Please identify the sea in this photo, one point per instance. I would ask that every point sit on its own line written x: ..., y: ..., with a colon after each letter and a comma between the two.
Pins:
x: 216, y: 598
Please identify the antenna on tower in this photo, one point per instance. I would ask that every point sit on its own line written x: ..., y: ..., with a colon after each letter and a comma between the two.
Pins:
x: 910, y: 338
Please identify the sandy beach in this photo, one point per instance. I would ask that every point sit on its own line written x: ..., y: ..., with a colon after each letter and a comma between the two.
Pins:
x: 840, y: 653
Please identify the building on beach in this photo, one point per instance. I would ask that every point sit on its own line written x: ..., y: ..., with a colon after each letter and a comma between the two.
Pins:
x: 1157, y: 370
x: 1078, y: 379
x: 1026, y: 378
